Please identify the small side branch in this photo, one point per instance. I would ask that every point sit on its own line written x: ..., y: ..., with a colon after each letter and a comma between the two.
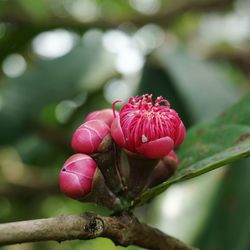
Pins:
x: 123, y: 230
x: 162, y: 17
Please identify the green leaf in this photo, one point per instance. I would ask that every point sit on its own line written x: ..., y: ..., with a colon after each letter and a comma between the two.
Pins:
x: 228, y: 223
x: 29, y: 98
x: 211, y: 145
x: 36, y: 9
x: 164, y: 86
x: 205, y: 88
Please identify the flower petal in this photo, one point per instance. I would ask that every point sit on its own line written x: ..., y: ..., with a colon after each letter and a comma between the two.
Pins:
x: 157, y: 148
x: 116, y: 132
x: 105, y: 115
x: 88, y: 136
x: 181, y: 134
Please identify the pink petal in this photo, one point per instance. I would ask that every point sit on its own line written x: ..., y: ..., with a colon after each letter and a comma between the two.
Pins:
x: 85, y: 141
x: 70, y: 185
x: 97, y: 126
x: 88, y: 136
x: 76, y: 157
x: 105, y: 115
x: 157, y: 148
x: 76, y: 176
x: 85, y: 167
x: 181, y: 134
x: 116, y: 132
x: 171, y: 155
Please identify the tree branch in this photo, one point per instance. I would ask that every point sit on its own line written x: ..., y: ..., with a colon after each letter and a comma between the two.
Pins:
x: 24, y: 28
x: 123, y: 230
x: 167, y: 16
x: 163, y: 17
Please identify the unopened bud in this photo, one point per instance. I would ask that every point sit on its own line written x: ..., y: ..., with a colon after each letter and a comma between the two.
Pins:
x: 76, y: 176
x: 89, y: 136
x: 80, y: 179
x: 164, y: 169
x: 105, y: 115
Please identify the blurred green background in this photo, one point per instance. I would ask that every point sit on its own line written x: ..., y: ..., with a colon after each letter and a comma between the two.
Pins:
x: 59, y: 60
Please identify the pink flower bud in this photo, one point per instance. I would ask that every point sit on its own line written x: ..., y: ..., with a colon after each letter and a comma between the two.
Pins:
x: 88, y: 137
x: 171, y: 156
x: 147, y: 128
x: 76, y: 176
x: 164, y: 169
x: 106, y: 115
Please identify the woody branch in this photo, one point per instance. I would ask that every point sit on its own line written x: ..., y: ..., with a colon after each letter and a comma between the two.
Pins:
x: 123, y: 230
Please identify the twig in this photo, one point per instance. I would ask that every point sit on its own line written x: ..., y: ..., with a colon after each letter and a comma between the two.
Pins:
x: 23, y: 28
x: 162, y: 17
x: 123, y: 230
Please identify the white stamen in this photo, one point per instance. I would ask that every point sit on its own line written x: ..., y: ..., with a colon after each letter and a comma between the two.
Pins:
x: 144, y: 139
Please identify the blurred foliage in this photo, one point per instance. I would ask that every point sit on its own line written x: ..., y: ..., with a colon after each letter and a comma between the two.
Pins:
x: 194, y: 53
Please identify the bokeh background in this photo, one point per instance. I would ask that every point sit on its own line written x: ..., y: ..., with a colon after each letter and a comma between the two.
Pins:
x: 59, y: 60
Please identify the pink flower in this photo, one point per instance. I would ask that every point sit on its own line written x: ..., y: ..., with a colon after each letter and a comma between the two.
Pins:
x: 105, y: 115
x: 76, y: 176
x: 88, y: 137
x: 147, y: 128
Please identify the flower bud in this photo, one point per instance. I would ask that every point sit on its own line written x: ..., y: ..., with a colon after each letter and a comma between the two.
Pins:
x: 105, y: 115
x: 80, y: 179
x: 76, y: 176
x: 164, y: 169
x: 147, y: 128
x: 88, y: 137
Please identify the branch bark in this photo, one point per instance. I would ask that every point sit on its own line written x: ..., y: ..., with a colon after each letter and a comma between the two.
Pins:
x: 123, y: 230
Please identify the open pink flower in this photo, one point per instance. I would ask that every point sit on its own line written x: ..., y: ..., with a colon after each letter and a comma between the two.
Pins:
x: 147, y: 128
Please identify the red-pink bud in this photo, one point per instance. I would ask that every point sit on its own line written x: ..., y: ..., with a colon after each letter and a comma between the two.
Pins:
x: 88, y: 137
x: 76, y: 176
x: 106, y: 115
x: 171, y: 156
x: 164, y: 169
x: 150, y: 129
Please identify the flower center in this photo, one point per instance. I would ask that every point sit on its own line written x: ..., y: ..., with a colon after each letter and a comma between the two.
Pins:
x: 143, y: 121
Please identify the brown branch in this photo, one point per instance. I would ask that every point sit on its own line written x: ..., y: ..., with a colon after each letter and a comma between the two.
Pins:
x: 24, y: 28
x: 167, y: 16
x: 163, y: 17
x: 123, y: 230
